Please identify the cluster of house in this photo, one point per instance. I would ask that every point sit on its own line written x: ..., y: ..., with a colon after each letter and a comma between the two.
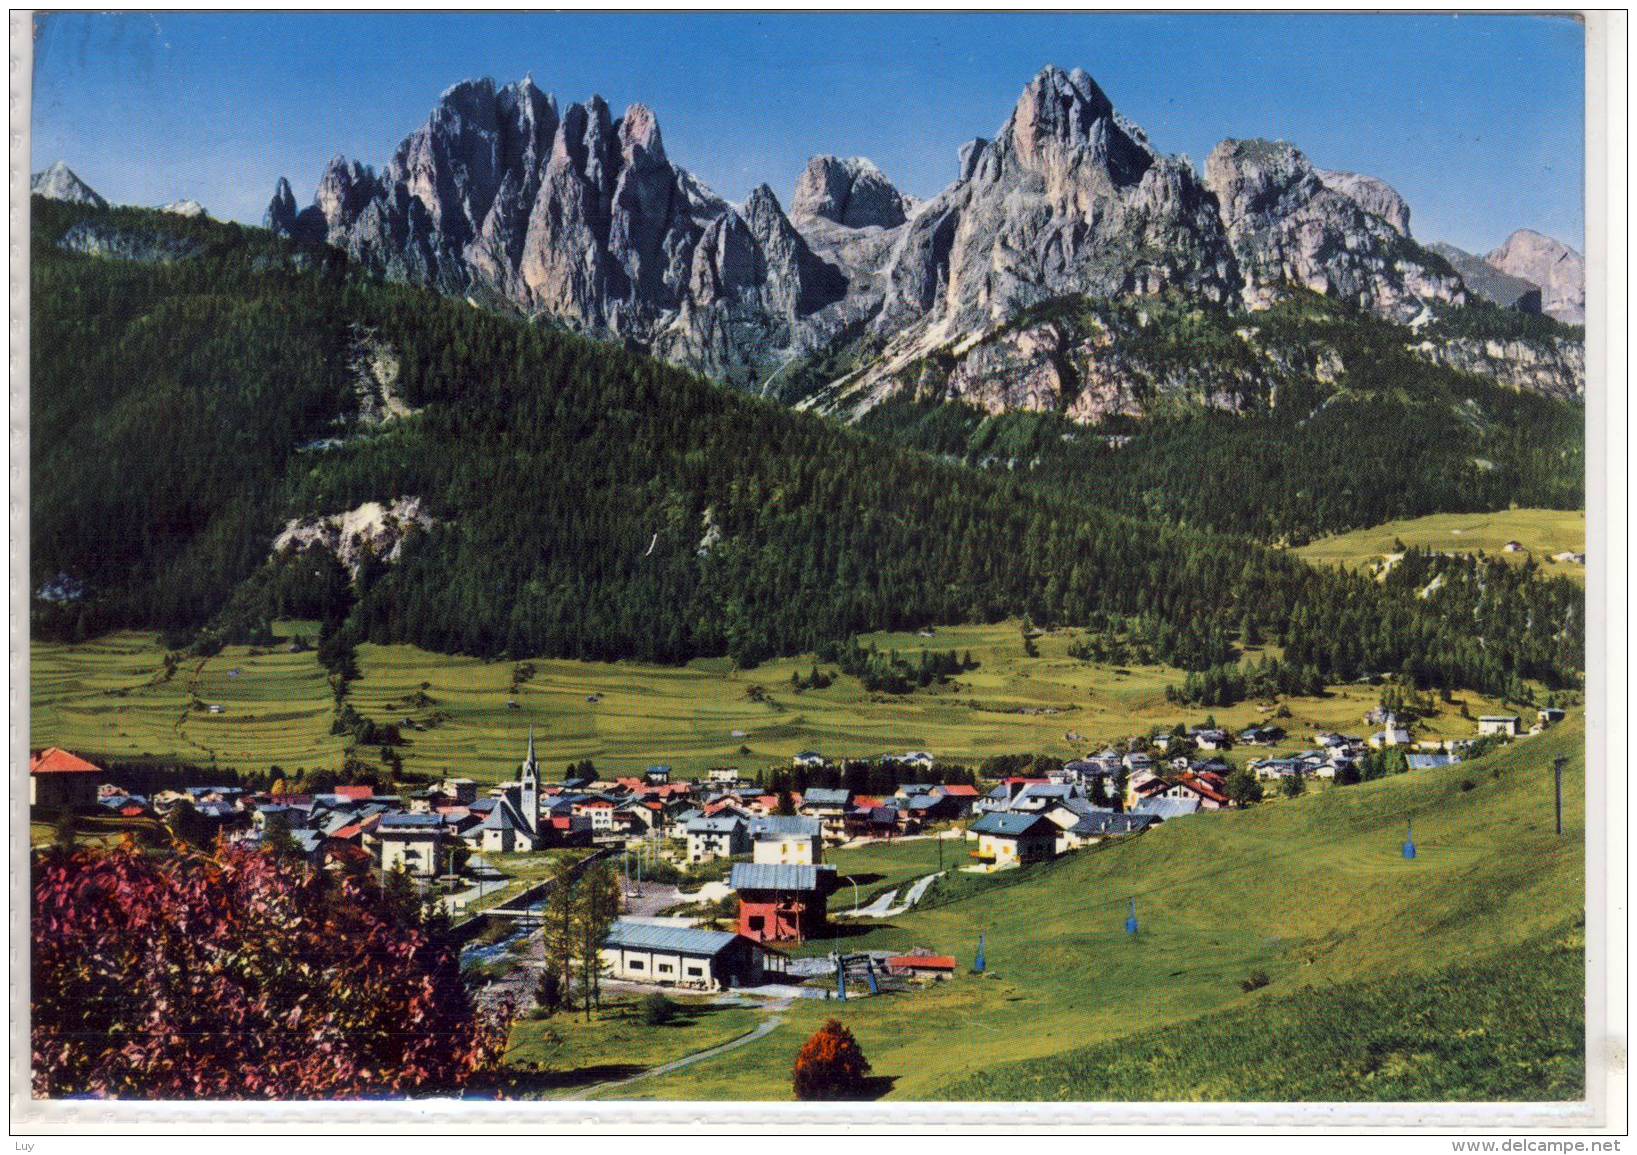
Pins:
x: 724, y: 824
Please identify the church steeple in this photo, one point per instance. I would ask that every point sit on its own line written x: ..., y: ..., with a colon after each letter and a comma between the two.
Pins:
x: 528, y: 798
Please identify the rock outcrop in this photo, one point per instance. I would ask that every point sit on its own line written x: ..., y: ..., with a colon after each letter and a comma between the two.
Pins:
x: 1553, y: 366
x: 850, y: 192
x: 1489, y: 282
x: 58, y: 183
x: 372, y: 528
x: 1288, y: 227
x: 184, y: 208
x: 1371, y: 194
x: 1554, y: 266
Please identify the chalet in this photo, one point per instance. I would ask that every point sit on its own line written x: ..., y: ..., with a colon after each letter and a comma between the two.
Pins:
x: 1101, y: 824
x: 1040, y: 798
x: 1507, y: 725
x: 1166, y: 809
x: 1210, y: 739
x: 808, y: 760
x: 1262, y: 736
x: 780, y: 839
x: 1136, y: 762
x: 937, y: 967
x: 722, y: 836
x: 708, y: 960
x: 955, y: 800
x: 414, y: 841
x: 277, y: 816
x: 722, y: 776
x: 1012, y: 839
x: 58, y: 780
x: 871, y: 819
x: 781, y: 902
x: 1207, y: 788
x: 461, y: 790
x: 1392, y: 736
x: 658, y: 775
x: 828, y: 806
x: 915, y: 759
x: 1430, y: 761
x: 599, y: 808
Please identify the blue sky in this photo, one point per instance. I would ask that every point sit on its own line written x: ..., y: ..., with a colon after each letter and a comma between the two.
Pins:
x: 1476, y: 120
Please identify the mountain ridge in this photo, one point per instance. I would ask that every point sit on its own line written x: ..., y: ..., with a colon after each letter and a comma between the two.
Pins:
x: 579, y: 218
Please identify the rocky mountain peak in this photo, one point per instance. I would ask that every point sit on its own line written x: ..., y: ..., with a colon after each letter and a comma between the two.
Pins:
x: 1287, y: 227
x: 1372, y: 194
x: 849, y: 191
x: 1062, y: 116
x: 640, y: 143
x: 281, y: 210
x: 1559, y: 271
x: 58, y: 183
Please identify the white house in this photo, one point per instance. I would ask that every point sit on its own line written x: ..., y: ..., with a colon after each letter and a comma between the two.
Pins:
x: 787, y: 839
x: 1508, y: 725
x: 708, y: 960
x: 722, y: 836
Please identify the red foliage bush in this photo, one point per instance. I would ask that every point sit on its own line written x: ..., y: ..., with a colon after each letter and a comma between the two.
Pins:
x: 238, y: 976
x: 831, y: 1065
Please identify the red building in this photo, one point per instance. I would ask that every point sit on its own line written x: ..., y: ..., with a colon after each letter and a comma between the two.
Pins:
x: 779, y: 903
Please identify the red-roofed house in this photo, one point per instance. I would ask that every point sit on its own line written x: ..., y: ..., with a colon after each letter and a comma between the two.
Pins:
x: 59, y: 780
x: 354, y: 793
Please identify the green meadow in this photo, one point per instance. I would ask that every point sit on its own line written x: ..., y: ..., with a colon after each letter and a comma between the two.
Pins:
x: 1311, y: 895
x: 1541, y: 532
x: 112, y: 699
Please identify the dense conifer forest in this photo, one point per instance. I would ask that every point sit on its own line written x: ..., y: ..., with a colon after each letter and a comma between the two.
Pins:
x: 591, y: 502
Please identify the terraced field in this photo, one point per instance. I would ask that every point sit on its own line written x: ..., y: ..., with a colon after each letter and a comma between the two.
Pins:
x: 111, y: 698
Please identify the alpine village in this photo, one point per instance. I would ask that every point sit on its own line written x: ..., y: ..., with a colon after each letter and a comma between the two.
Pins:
x: 520, y: 625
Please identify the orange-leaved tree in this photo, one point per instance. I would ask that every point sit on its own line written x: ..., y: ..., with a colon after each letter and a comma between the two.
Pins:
x: 240, y: 975
x: 831, y: 1065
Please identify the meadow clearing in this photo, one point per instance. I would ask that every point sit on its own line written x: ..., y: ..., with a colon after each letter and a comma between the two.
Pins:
x: 1313, y: 895
x: 113, y: 699
x: 1541, y: 532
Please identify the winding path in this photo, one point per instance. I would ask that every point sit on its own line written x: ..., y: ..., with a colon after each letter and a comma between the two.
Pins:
x: 762, y: 1030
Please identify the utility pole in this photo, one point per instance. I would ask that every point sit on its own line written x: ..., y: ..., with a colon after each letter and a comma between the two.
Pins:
x: 1557, y: 777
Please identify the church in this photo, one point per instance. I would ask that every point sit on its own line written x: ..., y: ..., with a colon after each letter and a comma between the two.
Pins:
x: 514, y: 823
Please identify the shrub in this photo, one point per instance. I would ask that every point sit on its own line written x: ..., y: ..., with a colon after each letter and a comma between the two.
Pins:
x: 178, y: 978
x: 1255, y: 981
x: 831, y: 1066
x: 656, y: 1010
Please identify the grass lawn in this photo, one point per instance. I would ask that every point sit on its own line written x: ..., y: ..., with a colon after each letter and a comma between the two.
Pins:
x: 110, y: 699
x: 1312, y: 893
x: 564, y: 1055
x: 881, y: 866
x: 1541, y: 532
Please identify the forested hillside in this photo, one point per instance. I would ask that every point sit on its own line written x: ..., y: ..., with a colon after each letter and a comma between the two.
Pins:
x: 1305, y: 420
x: 586, y: 501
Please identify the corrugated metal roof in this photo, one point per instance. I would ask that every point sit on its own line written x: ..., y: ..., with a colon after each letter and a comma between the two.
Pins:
x: 783, y: 825
x: 822, y: 796
x: 681, y: 939
x: 779, y: 876
x: 1164, y: 808
x: 1006, y: 823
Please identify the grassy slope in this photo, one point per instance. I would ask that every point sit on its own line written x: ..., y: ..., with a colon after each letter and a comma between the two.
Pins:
x: 103, y: 698
x: 1313, y: 892
x: 1542, y: 532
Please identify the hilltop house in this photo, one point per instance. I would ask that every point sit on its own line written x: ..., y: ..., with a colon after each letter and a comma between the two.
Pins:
x: 780, y: 902
x: 707, y: 960
x: 1007, y: 838
x: 58, y: 780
